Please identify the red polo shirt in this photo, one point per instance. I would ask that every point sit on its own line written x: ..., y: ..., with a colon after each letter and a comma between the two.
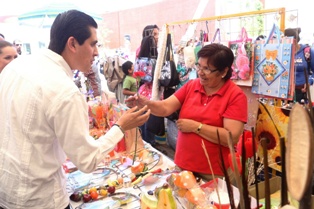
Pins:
x: 229, y: 102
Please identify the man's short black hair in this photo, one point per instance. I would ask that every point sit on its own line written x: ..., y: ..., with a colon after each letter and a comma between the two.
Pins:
x: 70, y: 23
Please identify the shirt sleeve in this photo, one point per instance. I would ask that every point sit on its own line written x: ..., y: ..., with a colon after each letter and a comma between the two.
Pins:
x: 237, y: 107
x: 182, y: 92
x: 69, y: 118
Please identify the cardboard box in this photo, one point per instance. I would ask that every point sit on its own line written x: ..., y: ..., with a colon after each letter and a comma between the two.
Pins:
x: 274, y: 184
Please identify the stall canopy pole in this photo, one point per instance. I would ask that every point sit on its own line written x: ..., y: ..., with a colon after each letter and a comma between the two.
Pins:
x: 281, y: 12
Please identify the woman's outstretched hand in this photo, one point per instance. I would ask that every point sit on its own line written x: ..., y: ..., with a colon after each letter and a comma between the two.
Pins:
x: 136, y: 100
x: 133, y: 118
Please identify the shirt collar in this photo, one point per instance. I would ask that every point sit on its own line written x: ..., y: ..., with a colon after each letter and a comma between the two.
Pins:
x: 59, y: 60
x: 221, y: 91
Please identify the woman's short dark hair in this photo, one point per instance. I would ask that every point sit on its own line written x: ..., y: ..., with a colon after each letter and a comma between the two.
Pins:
x: 70, y: 23
x: 219, y: 56
x: 126, y: 66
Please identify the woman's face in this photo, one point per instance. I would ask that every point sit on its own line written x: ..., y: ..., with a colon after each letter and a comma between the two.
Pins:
x: 7, y: 54
x: 209, y: 76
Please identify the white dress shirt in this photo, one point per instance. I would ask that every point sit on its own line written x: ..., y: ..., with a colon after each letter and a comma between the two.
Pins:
x: 43, y: 119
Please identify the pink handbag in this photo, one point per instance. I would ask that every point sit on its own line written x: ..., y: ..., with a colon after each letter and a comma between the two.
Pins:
x: 242, y: 66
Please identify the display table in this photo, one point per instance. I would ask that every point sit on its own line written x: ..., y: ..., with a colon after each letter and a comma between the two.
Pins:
x: 77, y: 181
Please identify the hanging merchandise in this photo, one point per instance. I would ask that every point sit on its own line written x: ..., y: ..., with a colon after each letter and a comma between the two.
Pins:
x: 113, y: 73
x: 216, y: 36
x: 203, y: 38
x: 273, y: 66
x: 169, y: 76
x: 146, y: 61
x: 242, y: 73
x: 145, y: 65
x: 189, y: 56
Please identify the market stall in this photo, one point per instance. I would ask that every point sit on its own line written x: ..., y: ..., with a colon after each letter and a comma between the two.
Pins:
x: 266, y: 91
x: 136, y: 175
x: 140, y: 190
x: 145, y: 178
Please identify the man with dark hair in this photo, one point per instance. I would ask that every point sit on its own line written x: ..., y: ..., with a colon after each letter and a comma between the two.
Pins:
x: 44, y: 118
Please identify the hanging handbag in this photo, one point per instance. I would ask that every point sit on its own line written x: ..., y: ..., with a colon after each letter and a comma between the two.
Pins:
x: 113, y: 73
x: 169, y: 76
x: 147, y: 61
x: 274, y: 66
x: 145, y: 65
x: 242, y: 72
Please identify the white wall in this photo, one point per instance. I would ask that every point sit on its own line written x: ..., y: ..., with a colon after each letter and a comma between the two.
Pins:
x: 303, y: 10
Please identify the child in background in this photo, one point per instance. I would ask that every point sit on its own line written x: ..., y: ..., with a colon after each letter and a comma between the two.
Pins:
x: 130, y: 84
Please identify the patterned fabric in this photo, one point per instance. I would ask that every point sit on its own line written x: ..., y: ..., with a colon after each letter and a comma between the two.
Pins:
x: 273, y: 66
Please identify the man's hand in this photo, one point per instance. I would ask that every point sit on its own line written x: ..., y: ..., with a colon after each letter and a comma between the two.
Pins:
x: 133, y: 118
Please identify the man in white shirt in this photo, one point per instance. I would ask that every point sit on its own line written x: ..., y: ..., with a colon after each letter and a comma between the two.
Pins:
x: 44, y: 118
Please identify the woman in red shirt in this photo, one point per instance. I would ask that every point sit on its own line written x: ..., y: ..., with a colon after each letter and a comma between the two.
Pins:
x: 208, y: 104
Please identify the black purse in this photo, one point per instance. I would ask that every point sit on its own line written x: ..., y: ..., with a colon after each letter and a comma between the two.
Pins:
x: 156, y: 125
x: 169, y: 75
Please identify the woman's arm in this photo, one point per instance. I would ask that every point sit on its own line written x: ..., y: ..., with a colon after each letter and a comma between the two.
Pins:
x: 209, y: 132
x: 161, y: 108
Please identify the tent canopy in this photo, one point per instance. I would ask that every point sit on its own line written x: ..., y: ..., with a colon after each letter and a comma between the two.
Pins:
x: 43, y: 17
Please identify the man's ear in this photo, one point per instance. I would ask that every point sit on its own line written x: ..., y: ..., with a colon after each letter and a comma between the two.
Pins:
x: 71, y: 43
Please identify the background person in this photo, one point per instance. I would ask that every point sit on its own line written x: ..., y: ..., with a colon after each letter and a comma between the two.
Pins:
x: 18, y: 45
x: 130, y: 85
x: 208, y: 104
x: 7, y: 53
x: 94, y: 80
x: 149, y: 42
x: 44, y: 118
x: 300, y: 64
x: 154, y: 125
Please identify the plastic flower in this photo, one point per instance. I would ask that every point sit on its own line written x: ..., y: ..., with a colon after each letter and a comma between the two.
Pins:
x: 138, y: 74
x: 238, y: 160
x: 248, y: 145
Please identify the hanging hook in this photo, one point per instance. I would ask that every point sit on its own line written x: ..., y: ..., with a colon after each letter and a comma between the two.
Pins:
x: 207, y: 27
